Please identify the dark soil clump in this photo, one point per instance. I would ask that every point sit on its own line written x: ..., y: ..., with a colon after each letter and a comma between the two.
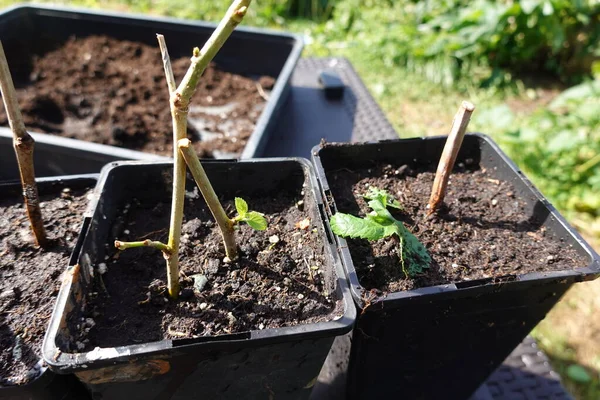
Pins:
x: 483, y: 230
x: 114, y: 92
x: 278, y: 281
x: 30, y: 278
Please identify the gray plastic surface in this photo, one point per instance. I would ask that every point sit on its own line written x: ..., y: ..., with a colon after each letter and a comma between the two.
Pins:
x: 308, y: 116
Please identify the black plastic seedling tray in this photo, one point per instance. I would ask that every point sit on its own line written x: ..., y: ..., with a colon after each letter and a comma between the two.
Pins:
x: 284, y: 362
x: 56, y: 156
x: 249, y: 51
x: 444, y: 341
x: 48, y: 385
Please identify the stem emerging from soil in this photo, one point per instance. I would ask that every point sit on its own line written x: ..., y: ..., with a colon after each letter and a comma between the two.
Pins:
x: 23, y: 144
x: 453, y: 143
x: 180, y: 99
x: 225, y: 224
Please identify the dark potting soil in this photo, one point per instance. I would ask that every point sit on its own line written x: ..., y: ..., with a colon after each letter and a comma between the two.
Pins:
x: 278, y: 281
x: 483, y: 230
x: 108, y: 91
x: 30, y: 278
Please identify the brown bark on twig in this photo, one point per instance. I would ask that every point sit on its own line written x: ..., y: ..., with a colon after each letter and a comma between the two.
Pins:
x: 453, y: 143
x: 23, y: 144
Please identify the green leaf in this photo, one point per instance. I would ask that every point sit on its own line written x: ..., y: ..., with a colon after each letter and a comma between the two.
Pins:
x: 578, y: 373
x: 346, y: 225
x: 241, y: 206
x: 529, y: 5
x: 378, y: 224
x: 547, y: 8
x: 383, y: 196
x: 256, y: 220
x: 380, y: 210
x: 412, y: 250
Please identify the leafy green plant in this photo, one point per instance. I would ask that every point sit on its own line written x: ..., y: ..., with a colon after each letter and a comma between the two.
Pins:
x: 380, y: 224
x: 488, y: 41
x: 255, y: 219
x: 559, y: 147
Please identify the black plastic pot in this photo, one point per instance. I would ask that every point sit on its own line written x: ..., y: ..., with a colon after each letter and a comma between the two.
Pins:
x: 48, y: 385
x: 249, y: 51
x: 442, y: 342
x: 57, y: 156
x: 272, y: 362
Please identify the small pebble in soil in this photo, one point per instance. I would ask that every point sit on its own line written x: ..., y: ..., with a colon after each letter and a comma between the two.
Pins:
x: 17, y: 351
x: 203, y: 306
x: 274, y: 239
x: 102, y: 268
x: 213, y: 266
x: 300, y: 296
x: 199, y: 282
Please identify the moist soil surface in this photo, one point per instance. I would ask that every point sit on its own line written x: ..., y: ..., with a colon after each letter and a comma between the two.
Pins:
x: 30, y: 277
x: 108, y: 91
x: 278, y: 280
x: 483, y: 230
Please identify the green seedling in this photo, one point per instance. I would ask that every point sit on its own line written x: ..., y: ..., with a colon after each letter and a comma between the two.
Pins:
x: 379, y: 224
x: 255, y: 219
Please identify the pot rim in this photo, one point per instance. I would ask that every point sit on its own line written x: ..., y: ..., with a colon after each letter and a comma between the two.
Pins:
x: 465, y: 288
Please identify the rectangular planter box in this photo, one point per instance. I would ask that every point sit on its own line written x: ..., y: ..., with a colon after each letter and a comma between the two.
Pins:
x: 284, y: 361
x: 444, y: 341
x: 48, y: 385
x: 249, y: 51
x: 56, y: 156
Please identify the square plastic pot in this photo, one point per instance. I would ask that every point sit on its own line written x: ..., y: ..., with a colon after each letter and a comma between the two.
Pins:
x: 249, y: 51
x: 281, y: 362
x: 48, y: 385
x: 444, y: 341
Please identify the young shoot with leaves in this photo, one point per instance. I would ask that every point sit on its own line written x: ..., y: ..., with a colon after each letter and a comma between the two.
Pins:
x: 380, y: 224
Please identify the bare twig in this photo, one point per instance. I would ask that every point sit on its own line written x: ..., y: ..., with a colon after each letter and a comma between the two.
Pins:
x: 453, y: 143
x: 202, y: 58
x: 23, y: 144
x: 144, y: 243
x: 225, y: 224
x: 166, y: 63
x: 180, y: 99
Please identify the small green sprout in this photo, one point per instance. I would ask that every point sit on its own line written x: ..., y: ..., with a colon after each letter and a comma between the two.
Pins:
x: 383, y: 197
x: 379, y: 224
x: 255, y: 219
